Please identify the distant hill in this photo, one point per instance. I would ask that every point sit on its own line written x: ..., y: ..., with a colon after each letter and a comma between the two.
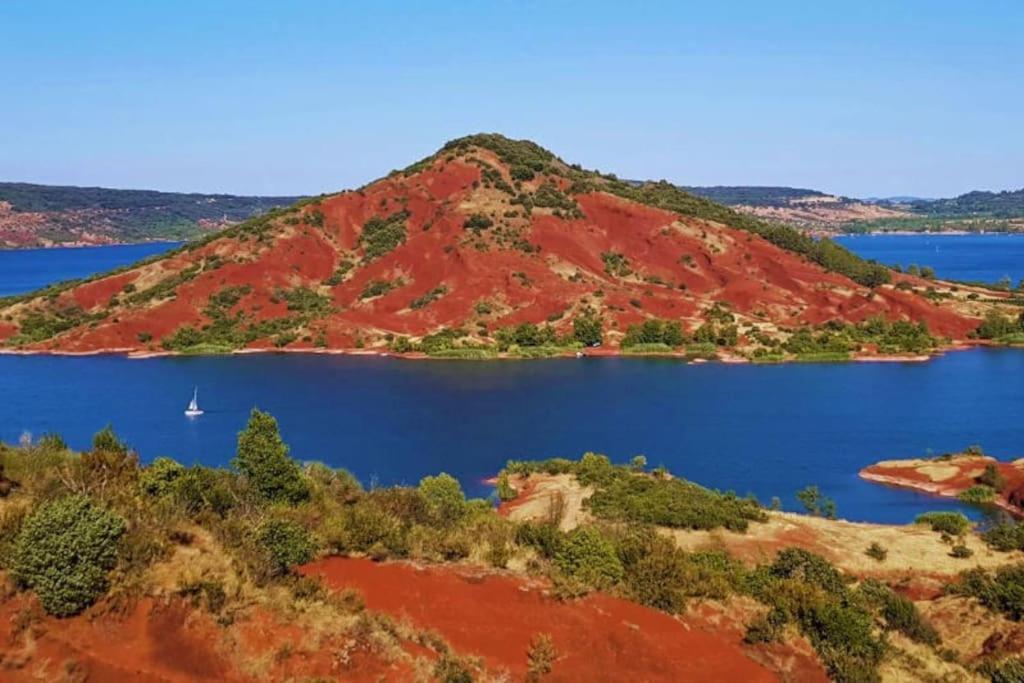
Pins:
x: 752, y: 195
x: 1008, y: 204
x: 48, y: 215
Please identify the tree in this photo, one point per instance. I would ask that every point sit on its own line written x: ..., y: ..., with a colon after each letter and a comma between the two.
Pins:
x: 587, y: 331
x: 444, y: 496
x: 815, y: 503
x: 107, y: 440
x: 263, y: 457
x: 64, y: 551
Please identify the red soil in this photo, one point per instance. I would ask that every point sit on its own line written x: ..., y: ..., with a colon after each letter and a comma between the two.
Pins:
x: 154, y: 642
x: 496, y: 616
x: 149, y: 643
x: 681, y: 266
x: 914, y: 474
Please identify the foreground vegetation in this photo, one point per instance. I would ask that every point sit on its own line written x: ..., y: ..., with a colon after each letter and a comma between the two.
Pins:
x: 77, y: 528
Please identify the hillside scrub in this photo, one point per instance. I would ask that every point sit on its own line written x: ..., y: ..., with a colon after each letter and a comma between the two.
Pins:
x: 64, y: 552
x: 622, y: 494
x: 116, y: 518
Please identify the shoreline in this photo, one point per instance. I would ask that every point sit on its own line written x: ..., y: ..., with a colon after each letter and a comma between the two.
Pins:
x: 133, y: 353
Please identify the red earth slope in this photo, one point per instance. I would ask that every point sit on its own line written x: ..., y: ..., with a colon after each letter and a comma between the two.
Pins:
x: 546, y: 265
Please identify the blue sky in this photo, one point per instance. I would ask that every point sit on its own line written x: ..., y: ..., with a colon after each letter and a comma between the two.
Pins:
x: 860, y: 98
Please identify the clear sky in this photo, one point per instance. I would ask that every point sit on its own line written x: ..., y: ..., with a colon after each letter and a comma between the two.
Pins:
x: 863, y: 98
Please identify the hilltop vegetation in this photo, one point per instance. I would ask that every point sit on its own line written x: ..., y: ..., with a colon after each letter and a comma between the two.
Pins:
x: 52, y: 215
x: 752, y: 195
x: 1007, y: 204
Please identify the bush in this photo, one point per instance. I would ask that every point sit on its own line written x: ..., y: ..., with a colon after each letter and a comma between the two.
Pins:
x: 876, y: 552
x: 445, y: 498
x: 978, y: 494
x: 65, y: 550
x: 160, y: 477
x: 365, y: 526
x: 286, y: 544
x: 478, y: 222
x: 1009, y: 670
x: 992, y: 478
x: 1005, y: 536
x: 1002, y: 591
x: 540, y: 657
x: 588, y: 556
x: 382, y: 235
x: 587, y: 331
x: 655, y: 571
x: 263, y: 457
x: 670, y: 502
x: 961, y: 551
x: 107, y: 440
x: 952, y: 523
x: 899, y: 613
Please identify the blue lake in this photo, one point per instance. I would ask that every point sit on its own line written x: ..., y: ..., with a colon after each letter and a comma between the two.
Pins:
x: 973, y: 258
x: 768, y: 430
x: 23, y: 270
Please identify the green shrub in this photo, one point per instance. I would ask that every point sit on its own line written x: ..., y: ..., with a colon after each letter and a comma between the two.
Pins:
x: 1002, y: 591
x: 445, y: 498
x: 545, y: 538
x: 477, y: 222
x: 160, y: 477
x: 992, y: 478
x: 671, y: 502
x: 65, y: 550
x: 978, y: 494
x: 364, y: 526
x: 506, y: 491
x: 876, y: 552
x: 587, y: 331
x: 899, y: 613
x: 952, y: 523
x: 263, y: 457
x: 616, y: 264
x: 1010, y: 670
x: 286, y: 544
x: 204, y: 488
x: 1005, y: 536
x: 540, y: 657
x: 376, y: 288
x: 588, y: 556
x: 655, y: 570
x: 766, y: 628
x: 107, y: 440
x: 961, y: 551
x: 382, y: 235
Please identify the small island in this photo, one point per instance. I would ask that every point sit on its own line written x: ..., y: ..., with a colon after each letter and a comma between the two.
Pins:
x: 971, y: 476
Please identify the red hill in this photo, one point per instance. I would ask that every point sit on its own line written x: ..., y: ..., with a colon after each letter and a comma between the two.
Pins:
x: 486, y: 234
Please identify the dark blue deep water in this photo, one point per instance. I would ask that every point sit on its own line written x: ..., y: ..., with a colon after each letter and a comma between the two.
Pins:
x: 973, y: 258
x: 768, y: 430
x: 23, y: 270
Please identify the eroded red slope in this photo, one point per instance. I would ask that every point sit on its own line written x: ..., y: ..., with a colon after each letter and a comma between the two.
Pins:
x: 496, y: 617
x: 547, y: 265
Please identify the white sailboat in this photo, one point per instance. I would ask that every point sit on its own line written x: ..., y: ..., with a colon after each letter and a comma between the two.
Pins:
x: 193, y: 409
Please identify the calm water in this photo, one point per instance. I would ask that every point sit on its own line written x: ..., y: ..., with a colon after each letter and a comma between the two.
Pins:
x: 24, y: 270
x: 974, y: 258
x: 767, y: 430
x: 763, y: 429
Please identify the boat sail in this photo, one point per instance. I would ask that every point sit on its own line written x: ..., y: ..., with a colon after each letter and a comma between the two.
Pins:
x: 193, y: 409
